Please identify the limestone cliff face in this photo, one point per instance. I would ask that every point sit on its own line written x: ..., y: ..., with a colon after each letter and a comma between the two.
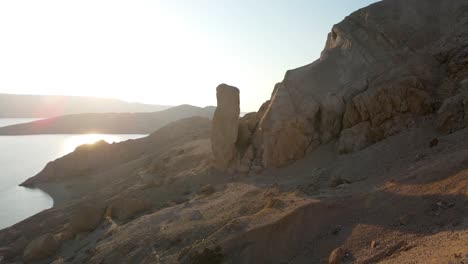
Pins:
x: 381, y: 66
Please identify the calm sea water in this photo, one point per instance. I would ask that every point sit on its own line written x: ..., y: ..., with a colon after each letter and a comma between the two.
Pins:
x: 22, y: 157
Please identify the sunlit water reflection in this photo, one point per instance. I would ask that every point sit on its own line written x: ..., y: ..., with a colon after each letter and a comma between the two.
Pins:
x: 22, y: 157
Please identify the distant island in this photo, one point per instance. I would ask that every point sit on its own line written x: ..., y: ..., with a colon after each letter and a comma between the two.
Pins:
x: 43, y: 106
x: 108, y: 123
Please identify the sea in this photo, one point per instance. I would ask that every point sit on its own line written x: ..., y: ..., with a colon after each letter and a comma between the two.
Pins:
x: 22, y: 157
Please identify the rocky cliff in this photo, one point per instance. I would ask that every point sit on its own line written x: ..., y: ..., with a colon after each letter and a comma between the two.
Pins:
x: 389, y: 91
x: 382, y: 66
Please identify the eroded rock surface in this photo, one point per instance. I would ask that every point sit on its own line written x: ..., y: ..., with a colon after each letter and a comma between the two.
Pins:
x: 383, y: 68
x: 40, y: 248
x: 225, y: 125
x: 372, y: 80
x: 453, y: 114
x: 86, y: 218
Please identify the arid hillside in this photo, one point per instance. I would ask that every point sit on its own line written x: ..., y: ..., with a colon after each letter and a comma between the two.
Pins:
x: 107, y: 123
x: 43, y: 106
x: 359, y: 157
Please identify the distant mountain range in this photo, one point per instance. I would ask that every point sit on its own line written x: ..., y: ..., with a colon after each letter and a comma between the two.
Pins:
x: 43, y: 106
x: 108, y: 123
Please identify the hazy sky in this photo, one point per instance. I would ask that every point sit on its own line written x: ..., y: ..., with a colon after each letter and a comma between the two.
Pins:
x: 162, y: 52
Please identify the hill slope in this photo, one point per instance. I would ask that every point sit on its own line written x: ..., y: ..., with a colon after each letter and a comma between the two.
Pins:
x: 160, y: 196
x: 107, y: 123
x: 382, y: 66
x: 389, y: 92
x: 42, y: 106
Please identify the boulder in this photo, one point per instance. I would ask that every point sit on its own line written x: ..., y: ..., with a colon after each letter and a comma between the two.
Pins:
x: 249, y: 140
x: 207, y: 190
x: 245, y: 161
x: 453, y: 114
x: 86, y: 218
x: 127, y: 206
x: 59, y: 261
x: 225, y: 126
x: 247, y: 125
x: 195, y: 216
x: 41, y: 248
x: 337, y: 255
x: 7, y: 253
x: 354, y: 138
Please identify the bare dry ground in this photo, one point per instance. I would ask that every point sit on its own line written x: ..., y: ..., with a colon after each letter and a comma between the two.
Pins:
x: 398, y: 201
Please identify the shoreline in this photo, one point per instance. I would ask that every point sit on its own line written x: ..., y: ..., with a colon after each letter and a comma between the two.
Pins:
x: 56, y: 191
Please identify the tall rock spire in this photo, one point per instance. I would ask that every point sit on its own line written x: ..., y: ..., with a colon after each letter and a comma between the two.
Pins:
x: 225, y: 126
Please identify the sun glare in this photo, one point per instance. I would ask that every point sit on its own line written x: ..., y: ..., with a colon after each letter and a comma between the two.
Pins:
x: 72, y: 142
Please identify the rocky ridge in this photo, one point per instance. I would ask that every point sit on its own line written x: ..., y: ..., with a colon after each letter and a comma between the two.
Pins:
x: 389, y: 91
x: 107, y: 123
x: 382, y: 67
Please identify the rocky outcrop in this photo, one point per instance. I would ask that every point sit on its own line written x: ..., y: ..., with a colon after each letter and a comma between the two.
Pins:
x: 126, y: 206
x: 7, y: 253
x: 372, y: 80
x: 453, y: 114
x: 354, y: 138
x: 41, y: 248
x: 225, y: 126
x: 383, y: 68
x: 86, y: 218
x: 336, y: 257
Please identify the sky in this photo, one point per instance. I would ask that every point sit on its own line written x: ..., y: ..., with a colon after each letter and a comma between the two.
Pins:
x: 161, y: 52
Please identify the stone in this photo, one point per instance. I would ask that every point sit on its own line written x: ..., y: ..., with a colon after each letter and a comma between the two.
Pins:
x: 336, y: 230
x: 274, y: 203
x: 434, y: 142
x: 207, y: 190
x: 59, y: 261
x: 453, y: 114
x: 225, y: 126
x: 66, y: 234
x: 41, y: 248
x: 87, y: 218
x: 245, y: 163
x: 337, y: 181
x: 195, y: 216
x: 354, y: 138
x: 336, y: 256
x: 7, y: 252
x: 127, y: 206
x: 247, y: 125
x: 403, y: 220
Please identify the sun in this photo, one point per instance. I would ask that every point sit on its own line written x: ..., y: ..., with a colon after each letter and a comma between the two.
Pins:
x: 72, y: 142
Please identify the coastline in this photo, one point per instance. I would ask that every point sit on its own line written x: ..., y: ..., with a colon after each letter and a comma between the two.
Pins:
x: 56, y: 191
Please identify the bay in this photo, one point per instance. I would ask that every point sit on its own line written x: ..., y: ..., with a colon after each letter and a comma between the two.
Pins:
x: 21, y: 157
